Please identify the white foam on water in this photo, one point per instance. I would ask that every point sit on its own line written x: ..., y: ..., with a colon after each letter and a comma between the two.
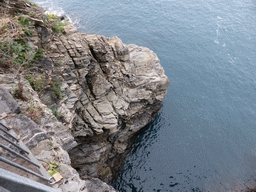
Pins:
x: 41, y: 3
x: 55, y: 11
x: 54, y: 7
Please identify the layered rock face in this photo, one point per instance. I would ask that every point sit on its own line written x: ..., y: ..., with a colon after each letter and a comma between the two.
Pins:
x: 120, y: 89
x: 108, y: 92
x: 112, y: 90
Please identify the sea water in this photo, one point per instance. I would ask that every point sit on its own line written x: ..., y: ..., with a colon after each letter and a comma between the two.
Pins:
x: 204, y: 139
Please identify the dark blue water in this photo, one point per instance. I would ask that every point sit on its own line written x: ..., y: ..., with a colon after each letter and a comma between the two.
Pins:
x: 204, y: 139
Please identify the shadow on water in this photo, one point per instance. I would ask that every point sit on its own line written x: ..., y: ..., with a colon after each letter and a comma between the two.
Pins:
x: 146, y: 136
x: 143, y: 139
x: 143, y: 167
x: 137, y: 170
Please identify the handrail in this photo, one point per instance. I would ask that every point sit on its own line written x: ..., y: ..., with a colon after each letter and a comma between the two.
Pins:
x: 23, y: 168
x: 9, y: 141
x: 17, y: 183
x: 7, y: 132
x: 29, y: 158
x: 14, y: 152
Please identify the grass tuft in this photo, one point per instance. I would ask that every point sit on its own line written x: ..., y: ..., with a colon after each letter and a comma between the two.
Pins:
x: 58, y: 26
x: 56, y: 23
x: 54, y: 111
x: 39, y: 54
x: 26, y: 25
x: 56, y: 90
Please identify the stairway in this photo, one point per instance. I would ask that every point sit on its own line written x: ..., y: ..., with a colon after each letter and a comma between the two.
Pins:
x: 11, y: 147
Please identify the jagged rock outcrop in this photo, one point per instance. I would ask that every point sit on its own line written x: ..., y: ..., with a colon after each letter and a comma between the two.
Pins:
x: 121, y: 91
x: 116, y: 90
x: 112, y: 90
x: 107, y: 92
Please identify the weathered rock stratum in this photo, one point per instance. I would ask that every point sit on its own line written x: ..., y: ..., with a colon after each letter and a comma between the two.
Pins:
x: 106, y: 91
x: 120, y: 91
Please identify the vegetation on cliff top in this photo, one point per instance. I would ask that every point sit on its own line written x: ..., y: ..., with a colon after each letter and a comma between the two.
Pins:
x: 19, y: 54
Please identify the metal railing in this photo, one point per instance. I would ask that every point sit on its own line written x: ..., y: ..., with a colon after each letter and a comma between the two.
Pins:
x: 13, y: 182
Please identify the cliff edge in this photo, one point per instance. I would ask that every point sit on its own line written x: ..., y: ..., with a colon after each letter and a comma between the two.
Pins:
x: 88, y: 92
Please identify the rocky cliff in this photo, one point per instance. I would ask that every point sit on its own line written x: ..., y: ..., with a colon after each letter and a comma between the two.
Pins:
x: 100, y: 90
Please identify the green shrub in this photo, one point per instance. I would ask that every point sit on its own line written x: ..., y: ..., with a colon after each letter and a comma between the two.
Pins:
x: 24, y: 21
x: 28, y: 32
x: 56, y: 23
x: 35, y: 81
x: 51, y: 16
x: 4, y: 27
x: 58, y: 26
x: 26, y: 25
x: 54, y: 111
x: 53, y: 168
x: 56, y: 90
x: 57, y: 63
x: 39, y: 54
x: 31, y: 14
x: 18, y: 52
